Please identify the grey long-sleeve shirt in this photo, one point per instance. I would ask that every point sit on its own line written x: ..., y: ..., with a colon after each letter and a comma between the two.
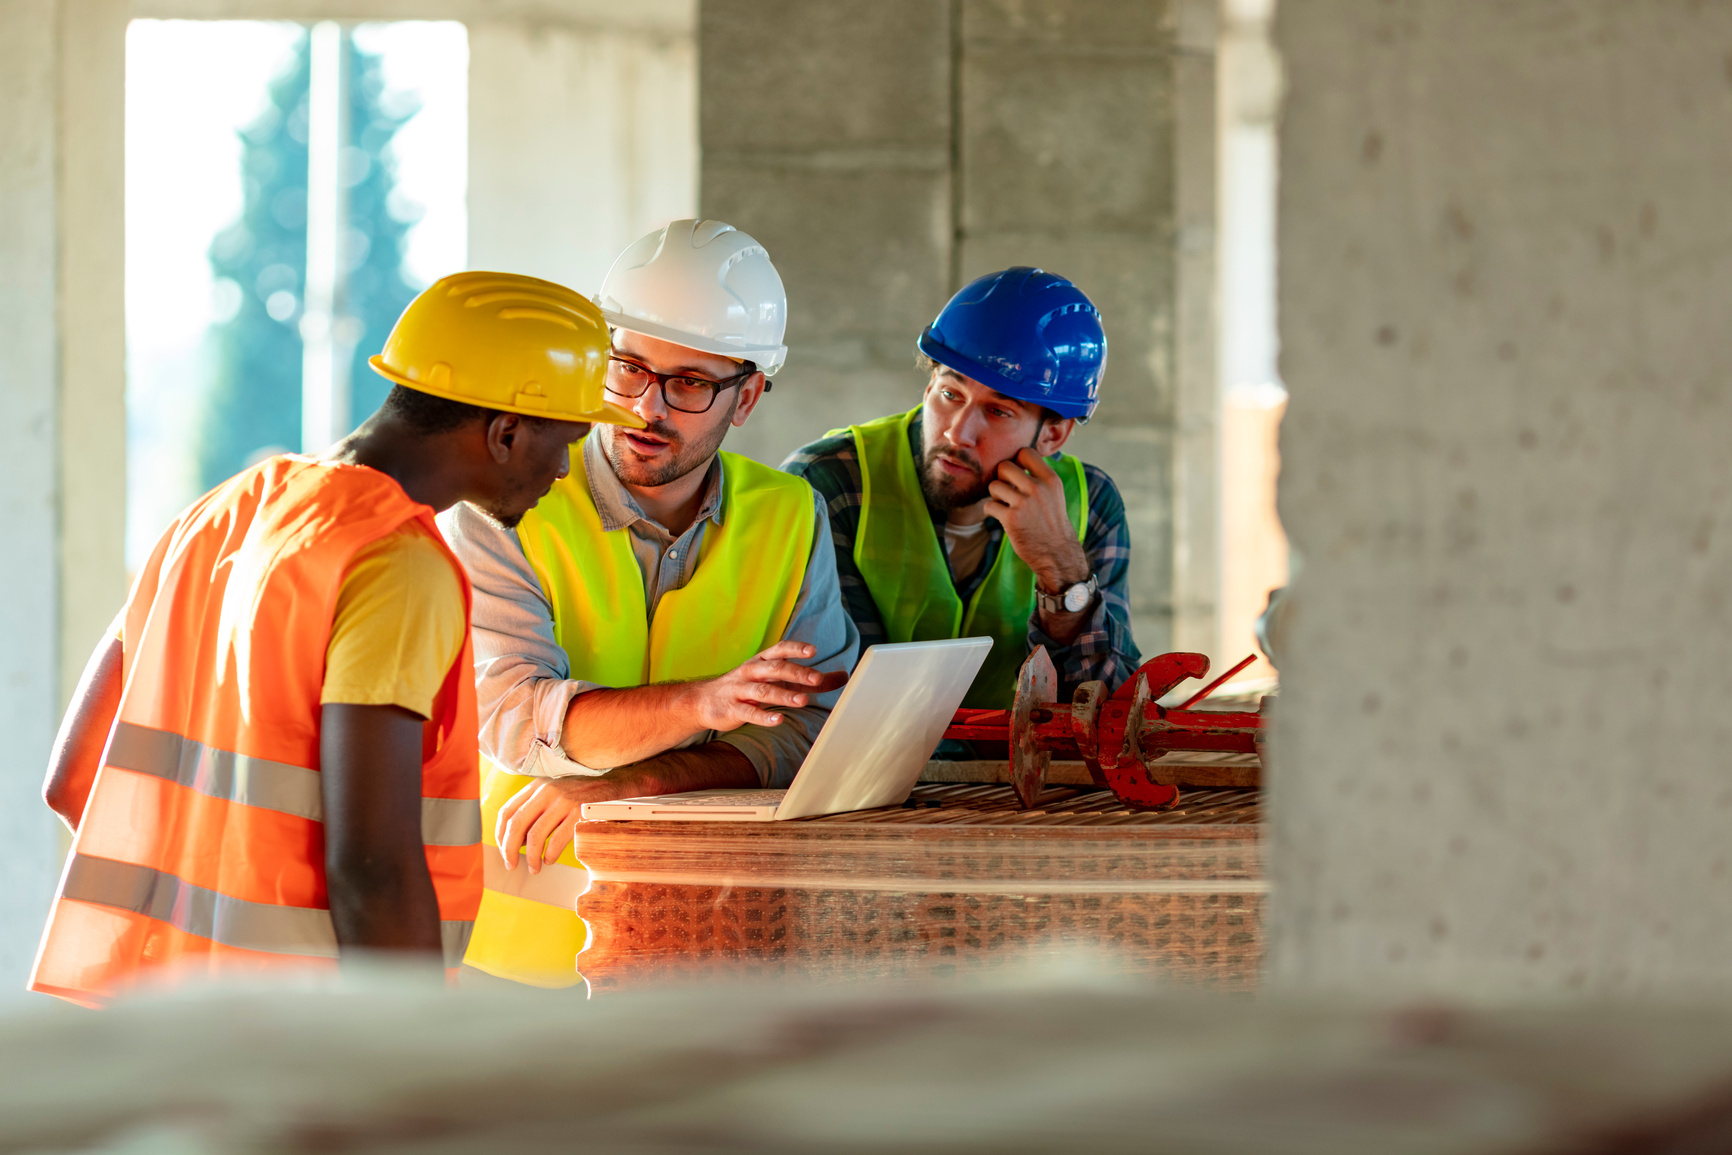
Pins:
x: 523, y: 677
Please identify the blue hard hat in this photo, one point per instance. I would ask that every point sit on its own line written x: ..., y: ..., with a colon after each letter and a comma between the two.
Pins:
x: 1026, y: 333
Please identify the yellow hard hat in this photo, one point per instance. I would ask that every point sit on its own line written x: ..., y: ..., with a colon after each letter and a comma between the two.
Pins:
x: 505, y: 341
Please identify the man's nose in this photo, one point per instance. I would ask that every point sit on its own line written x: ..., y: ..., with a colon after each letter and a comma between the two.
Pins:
x: 564, y: 464
x: 652, y: 406
x: 964, y: 431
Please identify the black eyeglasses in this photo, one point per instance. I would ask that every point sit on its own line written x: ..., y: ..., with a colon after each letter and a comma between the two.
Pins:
x: 686, y: 394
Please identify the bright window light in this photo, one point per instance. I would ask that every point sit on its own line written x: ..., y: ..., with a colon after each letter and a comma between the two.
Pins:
x: 206, y: 101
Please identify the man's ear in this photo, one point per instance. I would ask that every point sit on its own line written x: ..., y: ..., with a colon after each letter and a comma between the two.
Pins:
x: 750, y: 391
x: 1053, y: 435
x: 504, y: 431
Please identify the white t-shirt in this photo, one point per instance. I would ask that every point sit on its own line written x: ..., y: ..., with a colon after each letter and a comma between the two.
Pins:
x: 965, y: 546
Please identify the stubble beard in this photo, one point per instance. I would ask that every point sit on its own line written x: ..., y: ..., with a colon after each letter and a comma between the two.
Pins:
x: 682, y: 459
x: 944, y: 493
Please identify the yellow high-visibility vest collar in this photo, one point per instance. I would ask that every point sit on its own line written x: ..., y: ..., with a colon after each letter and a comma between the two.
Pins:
x: 902, y: 561
x: 739, y: 602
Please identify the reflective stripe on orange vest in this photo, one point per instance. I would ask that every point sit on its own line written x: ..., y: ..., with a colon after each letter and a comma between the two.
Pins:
x: 261, y: 782
x: 201, y: 848
x: 259, y: 926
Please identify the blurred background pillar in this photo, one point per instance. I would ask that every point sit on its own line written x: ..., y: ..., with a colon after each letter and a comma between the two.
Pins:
x: 1500, y: 757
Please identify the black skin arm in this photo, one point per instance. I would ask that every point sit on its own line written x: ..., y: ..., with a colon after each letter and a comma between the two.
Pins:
x: 77, y: 753
x: 381, y: 896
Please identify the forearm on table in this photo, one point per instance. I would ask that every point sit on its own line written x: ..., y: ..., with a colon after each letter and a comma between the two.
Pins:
x: 712, y: 766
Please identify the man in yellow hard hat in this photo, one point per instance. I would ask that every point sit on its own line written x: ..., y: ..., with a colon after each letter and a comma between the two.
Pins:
x: 669, y: 618
x: 273, y: 762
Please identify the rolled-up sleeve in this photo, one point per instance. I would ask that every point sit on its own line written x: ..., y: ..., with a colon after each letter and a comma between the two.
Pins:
x: 522, y: 676
x: 820, y: 621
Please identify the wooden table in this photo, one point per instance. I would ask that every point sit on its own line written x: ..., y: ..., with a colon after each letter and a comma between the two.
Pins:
x: 961, y: 880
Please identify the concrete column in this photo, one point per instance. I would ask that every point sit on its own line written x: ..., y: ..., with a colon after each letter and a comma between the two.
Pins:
x: 1067, y: 146
x: 92, y: 446
x: 826, y: 134
x: 1197, y: 395
x: 1501, y: 756
x: 582, y: 137
x: 29, y: 374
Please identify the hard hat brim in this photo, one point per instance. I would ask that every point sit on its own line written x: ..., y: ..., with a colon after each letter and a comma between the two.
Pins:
x: 992, y: 379
x: 768, y: 358
x: 608, y: 414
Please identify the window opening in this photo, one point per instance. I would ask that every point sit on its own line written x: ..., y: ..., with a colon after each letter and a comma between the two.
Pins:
x: 288, y: 190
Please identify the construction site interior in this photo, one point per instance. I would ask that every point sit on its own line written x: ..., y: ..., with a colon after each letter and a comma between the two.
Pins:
x: 1374, y: 804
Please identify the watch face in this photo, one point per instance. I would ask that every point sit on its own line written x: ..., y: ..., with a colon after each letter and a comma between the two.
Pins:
x: 1076, y: 597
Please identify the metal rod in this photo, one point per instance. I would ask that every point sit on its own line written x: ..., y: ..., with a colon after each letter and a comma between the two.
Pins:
x: 1210, y: 688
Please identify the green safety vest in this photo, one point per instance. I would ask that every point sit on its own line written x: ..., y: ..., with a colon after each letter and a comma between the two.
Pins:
x: 737, y: 604
x: 904, y: 566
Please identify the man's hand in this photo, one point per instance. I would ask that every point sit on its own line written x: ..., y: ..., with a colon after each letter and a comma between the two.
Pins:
x: 741, y: 695
x: 538, y: 820
x: 1028, y: 500
x: 614, y: 727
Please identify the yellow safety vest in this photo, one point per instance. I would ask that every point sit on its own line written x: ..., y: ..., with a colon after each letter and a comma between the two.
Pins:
x: 738, y: 603
x: 903, y: 565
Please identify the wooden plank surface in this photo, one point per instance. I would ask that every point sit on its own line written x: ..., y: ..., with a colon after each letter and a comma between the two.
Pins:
x: 961, y: 877
x: 1217, y: 771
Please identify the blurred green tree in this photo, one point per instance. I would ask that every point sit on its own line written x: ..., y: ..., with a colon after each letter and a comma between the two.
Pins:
x: 260, y: 262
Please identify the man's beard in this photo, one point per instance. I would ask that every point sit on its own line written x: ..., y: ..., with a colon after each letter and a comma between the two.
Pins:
x: 682, y: 458
x: 944, y: 493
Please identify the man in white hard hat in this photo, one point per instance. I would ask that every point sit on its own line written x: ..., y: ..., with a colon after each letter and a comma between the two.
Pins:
x: 669, y: 618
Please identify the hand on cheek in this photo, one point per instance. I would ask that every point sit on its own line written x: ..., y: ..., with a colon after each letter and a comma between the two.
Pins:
x: 1027, y: 498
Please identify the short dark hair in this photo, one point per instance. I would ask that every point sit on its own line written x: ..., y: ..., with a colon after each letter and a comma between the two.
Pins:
x: 926, y: 365
x: 427, y: 414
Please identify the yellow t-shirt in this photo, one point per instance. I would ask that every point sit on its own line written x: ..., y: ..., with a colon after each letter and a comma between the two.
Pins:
x: 398, y: 626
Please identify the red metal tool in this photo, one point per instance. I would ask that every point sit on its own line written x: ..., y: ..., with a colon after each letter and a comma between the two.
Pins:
x: 1120, y: 739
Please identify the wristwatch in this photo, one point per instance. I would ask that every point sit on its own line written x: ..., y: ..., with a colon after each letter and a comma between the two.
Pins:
x: 1072, y: 599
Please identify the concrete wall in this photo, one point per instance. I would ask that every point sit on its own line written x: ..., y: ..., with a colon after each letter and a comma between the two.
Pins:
x: 898, y: 148
x: 582, y: 139
x: 1506, y: 256
x: 29, y: 428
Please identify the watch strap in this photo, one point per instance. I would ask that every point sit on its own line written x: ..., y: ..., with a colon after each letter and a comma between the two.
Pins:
x: 1055, y: 602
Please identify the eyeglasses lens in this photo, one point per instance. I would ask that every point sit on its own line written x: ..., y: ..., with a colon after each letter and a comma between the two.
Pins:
x: 687, y: 394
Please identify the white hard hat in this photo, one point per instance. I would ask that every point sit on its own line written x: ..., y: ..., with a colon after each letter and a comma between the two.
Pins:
x: 701, y: 284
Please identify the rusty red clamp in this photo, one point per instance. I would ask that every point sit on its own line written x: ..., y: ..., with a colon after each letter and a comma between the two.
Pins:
x: 1121, y: 739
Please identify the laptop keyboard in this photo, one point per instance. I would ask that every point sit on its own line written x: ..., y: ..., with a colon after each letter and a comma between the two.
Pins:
x: 723, y: 798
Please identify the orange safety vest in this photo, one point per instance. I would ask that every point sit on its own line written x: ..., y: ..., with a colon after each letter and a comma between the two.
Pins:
x: 202, y: 846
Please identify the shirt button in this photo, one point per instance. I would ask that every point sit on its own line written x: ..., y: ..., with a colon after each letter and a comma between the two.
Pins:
x: 673, y: 553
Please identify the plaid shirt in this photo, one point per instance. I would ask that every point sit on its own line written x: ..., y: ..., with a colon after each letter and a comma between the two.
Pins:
x: 1103, y: 649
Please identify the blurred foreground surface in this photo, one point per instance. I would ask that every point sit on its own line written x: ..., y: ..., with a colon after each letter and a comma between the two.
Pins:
x: 1054, y: 1063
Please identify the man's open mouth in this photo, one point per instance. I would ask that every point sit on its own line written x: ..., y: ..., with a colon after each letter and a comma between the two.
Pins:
x: 647, y: 444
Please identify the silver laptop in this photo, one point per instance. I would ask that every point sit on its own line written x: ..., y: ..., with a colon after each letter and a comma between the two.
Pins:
x: 870, y: 752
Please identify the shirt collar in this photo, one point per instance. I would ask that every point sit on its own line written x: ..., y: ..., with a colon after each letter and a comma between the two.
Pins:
x: 619, y: 509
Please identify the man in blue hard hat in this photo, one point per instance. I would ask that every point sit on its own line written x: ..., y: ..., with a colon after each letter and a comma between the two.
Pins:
x: 962, y: 517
